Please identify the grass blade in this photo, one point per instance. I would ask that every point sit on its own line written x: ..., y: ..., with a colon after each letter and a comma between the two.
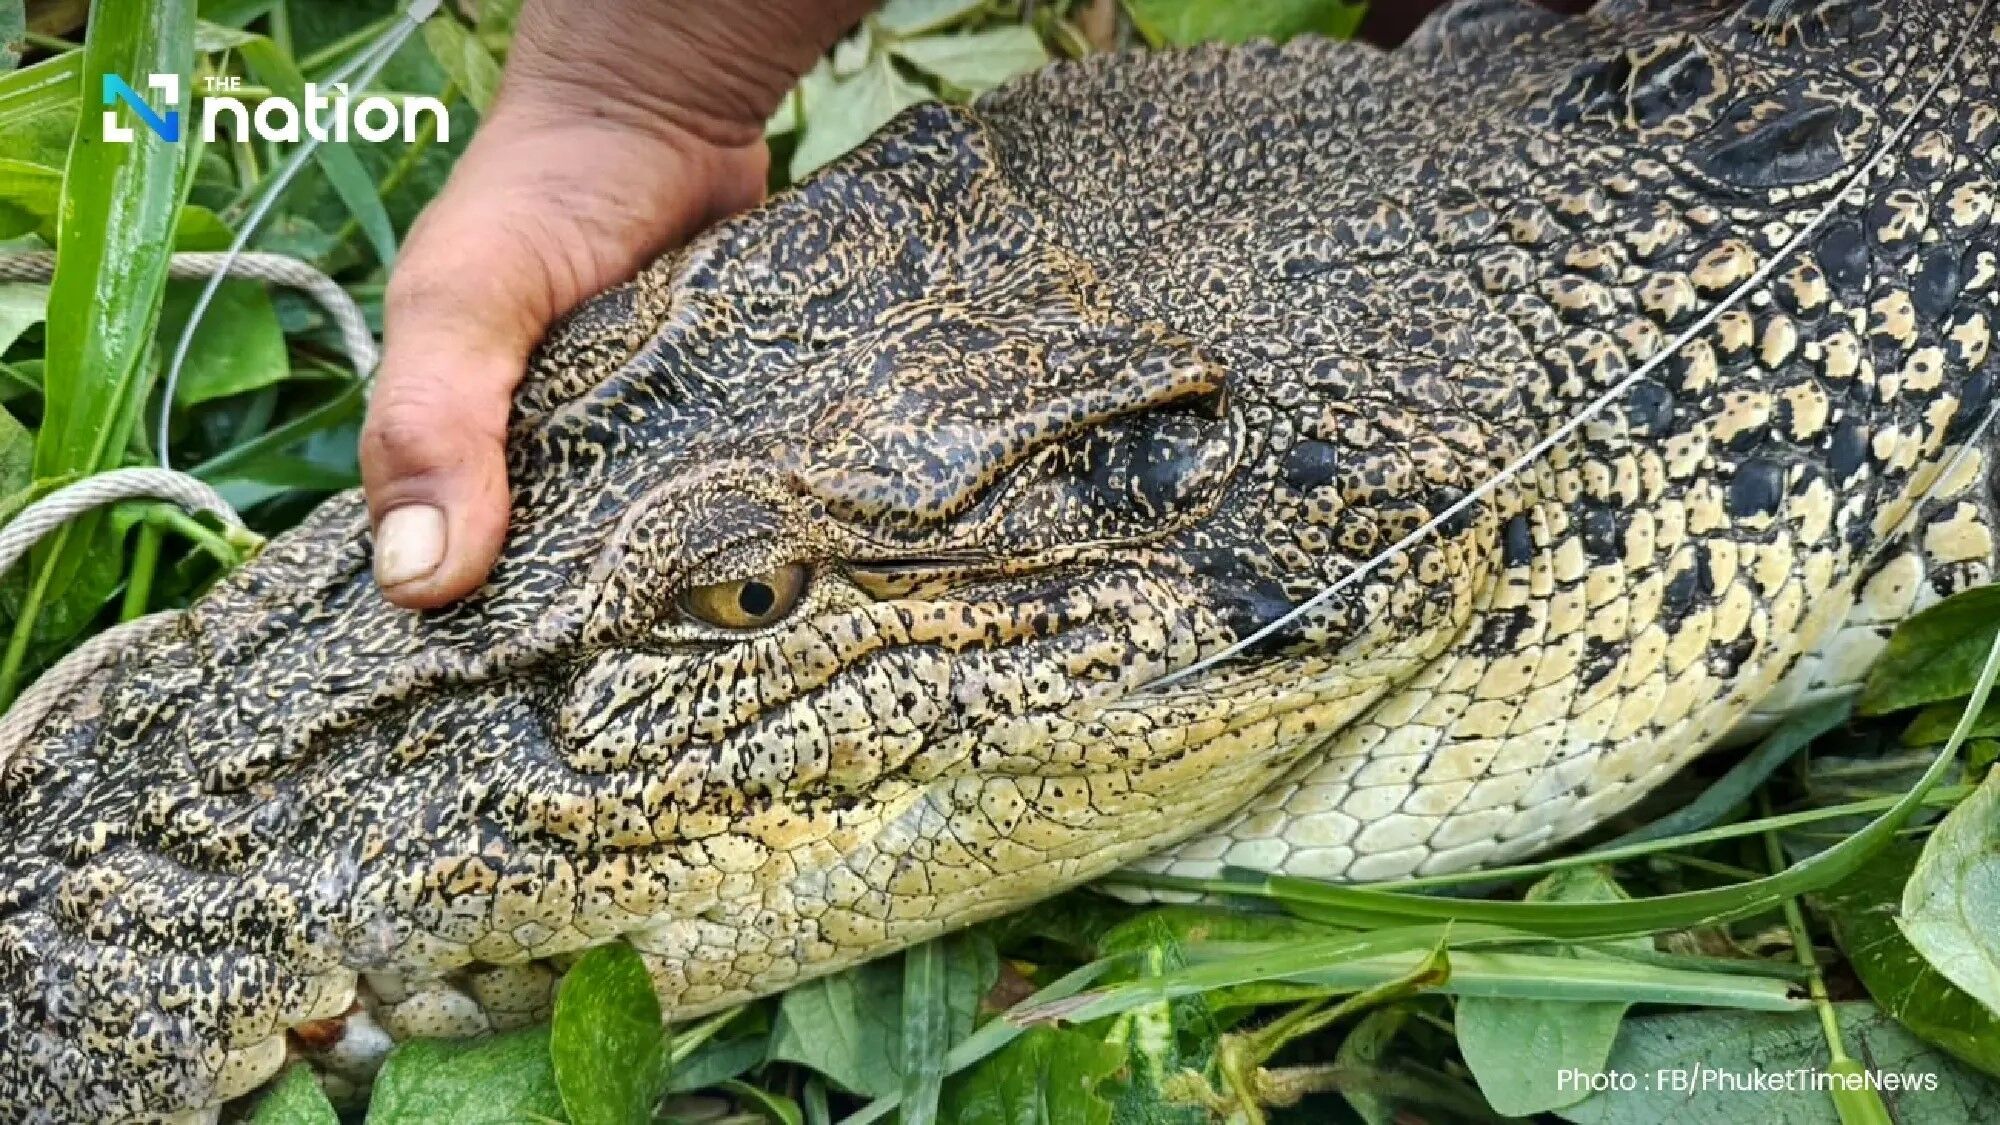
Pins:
x: 926, y: 1031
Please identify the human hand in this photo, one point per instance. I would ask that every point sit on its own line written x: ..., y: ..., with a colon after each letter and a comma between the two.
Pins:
x: 622, y: 129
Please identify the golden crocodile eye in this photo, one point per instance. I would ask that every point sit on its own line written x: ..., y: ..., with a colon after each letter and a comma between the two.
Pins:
x: 751, y: 603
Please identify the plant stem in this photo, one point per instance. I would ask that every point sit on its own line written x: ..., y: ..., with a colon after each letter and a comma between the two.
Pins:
x: 166, y: 517
x: 24, y: 628
x: 50, y: 42
x: 145, y: 561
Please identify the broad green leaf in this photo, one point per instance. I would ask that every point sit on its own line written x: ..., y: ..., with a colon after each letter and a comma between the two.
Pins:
x: 464, y: 58
x: 1518, y: 1049
x: 848, y: 1026
x: 1048, y: 1076
x: 295, y: 1099
x: 1952, y: 901
x: 238, y: 347
x: 1239, y: 21
x: 22, y: 306
x: 30, y: 199
x: 1697, y: 1068
x: 917, y: 17
x: 607, y: 1042
x: 505, y: 1080
x: 337, y: 159
x: 13, y: 33
x: 1862, y: 910
x: 976, y: 61
x: 38, y: 107
x: 1934, y: 656
x: 841, y: 113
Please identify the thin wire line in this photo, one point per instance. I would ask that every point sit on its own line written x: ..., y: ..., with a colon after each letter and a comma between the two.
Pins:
x: 1603, y: 402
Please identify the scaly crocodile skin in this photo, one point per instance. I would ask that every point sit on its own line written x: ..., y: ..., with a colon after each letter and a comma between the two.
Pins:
x: 1053, y: 397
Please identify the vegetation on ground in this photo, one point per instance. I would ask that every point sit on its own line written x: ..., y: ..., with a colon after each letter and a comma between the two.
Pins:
x: 1817, y: 904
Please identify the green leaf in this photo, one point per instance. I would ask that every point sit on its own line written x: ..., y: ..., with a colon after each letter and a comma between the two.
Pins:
x: 1667, y: 1058
x: 608, y: 1043
x: 1934, y: 656
x: 344, y: 171
x: 497, y: 19
x: 848, y: 1026
x: 1952, y: 900
x: 295, y: 1099
x: 238, y: 347
x: 504, y: 1080
x: 38, y: 110
x: 1238, y: 21
x: 23, y: 305
x: 842, y: 112
x: 775, y: 1108
x: 916, y: 17
x: 464, y: 58
x: 1518, y: 1049
x: 1363, y: 1049
x: 1862, y: 911
x: 977, y: 61
x: 30, y: 199
x: 718, y: 1062
x: 1048, y: 1076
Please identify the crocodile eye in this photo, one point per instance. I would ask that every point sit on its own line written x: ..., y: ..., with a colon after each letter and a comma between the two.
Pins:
x: 750, y: 603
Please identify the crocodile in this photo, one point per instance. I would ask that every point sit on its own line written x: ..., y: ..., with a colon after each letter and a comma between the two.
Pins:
x: 1304, y: 458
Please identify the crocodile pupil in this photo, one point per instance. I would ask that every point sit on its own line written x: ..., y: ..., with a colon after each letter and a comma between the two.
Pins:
x: 756, y: 599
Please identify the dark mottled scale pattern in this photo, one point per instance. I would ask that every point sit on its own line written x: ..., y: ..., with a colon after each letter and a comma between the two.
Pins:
x: 1055, y: 395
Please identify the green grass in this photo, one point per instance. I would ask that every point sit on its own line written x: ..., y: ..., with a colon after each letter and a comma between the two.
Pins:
x: 1745, y: 917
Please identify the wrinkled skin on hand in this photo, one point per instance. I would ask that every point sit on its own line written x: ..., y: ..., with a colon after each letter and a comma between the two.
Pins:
x: 847, y: 542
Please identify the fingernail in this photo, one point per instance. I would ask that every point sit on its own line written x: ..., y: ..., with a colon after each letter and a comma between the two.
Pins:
x: 409, y: 544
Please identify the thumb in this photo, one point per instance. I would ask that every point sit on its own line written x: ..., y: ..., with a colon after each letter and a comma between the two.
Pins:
x: 463, y: 311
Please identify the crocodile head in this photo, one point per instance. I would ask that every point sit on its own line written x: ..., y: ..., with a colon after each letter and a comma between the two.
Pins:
x: 846, y: 547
